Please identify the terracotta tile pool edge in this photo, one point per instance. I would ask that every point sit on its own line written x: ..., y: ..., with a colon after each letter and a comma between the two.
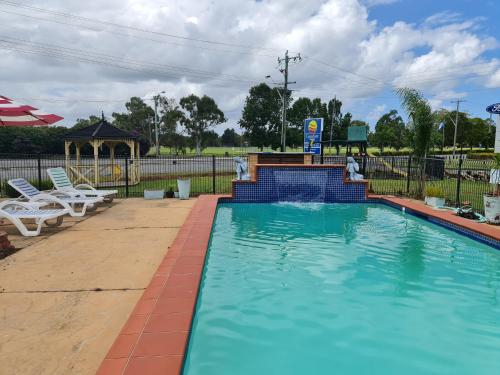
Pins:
x: 154, y: 338
x: 156, y: 334
x: 483, y: 229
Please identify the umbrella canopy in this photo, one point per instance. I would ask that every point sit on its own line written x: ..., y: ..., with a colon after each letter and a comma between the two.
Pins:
x: 12, y: 114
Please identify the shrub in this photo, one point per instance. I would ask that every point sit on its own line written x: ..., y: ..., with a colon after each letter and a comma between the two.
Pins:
x: 10, y: 192
x: 434, y: 191
x: 480, y: 155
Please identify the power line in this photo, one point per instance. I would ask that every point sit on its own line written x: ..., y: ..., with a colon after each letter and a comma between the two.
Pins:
x: 133, y: 28
x: 104, y: 59
x: 140, y: 37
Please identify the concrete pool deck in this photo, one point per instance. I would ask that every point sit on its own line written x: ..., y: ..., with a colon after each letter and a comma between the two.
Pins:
x: 64, y: 299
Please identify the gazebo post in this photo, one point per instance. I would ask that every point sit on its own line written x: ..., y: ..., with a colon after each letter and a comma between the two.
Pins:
x: 138, y: 162
x: 132, y: 157
x: 78, y: 153
x: 95, y: 143
x: 67, y: 145
x: 112, y: 146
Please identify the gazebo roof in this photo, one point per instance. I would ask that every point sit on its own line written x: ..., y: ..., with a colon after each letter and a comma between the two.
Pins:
x: 101, y: 130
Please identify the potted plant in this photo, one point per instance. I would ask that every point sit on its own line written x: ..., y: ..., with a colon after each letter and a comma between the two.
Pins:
x: 184, y: 186
x: 434, y: 196
x: 492, y: 200
x: 170, y: 192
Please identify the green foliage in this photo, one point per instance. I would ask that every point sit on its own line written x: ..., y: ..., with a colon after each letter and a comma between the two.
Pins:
x: 170, y: 117
x: 203, y: 114
x: 390, y: 131
x: 10, y: 192
x: 261, y: 116
x: 420, y: 112
x: 28, y: 140
x: 230, y: 138
x: 434, y: 191
x: 136, y: 118
x: 496, y: 159
x: 480, y: 155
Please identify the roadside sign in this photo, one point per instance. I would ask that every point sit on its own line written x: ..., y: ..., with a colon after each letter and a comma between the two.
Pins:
x: 494, y: 108
x: 313, y: 128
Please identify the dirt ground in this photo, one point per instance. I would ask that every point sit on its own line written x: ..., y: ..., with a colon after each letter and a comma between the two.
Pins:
x: 64, y: 299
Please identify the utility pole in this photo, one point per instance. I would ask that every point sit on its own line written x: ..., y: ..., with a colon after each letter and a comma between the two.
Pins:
x: 157, y: 146
x: 286, y: 60
x: 334, y: 116
x: 458, y: 101
x: 157, y: 141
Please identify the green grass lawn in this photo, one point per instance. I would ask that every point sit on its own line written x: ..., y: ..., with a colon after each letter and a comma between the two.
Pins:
x: 236, y: 151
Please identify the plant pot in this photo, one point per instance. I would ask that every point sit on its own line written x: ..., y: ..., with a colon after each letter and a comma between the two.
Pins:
x: 495, y: 176
x: 169, y: 194
x: 435, y: 201
x: 492, y: 209
x: 184, y: 186
x: 154, y: 194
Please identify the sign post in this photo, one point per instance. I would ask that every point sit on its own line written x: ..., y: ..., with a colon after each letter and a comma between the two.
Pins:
x: 313, y: 129
x: 495, y: 109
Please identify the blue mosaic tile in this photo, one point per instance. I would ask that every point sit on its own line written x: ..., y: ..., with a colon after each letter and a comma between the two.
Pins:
x: 299, y: 184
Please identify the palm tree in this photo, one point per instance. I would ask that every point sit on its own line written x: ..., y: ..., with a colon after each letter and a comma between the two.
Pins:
x: 422, y: 117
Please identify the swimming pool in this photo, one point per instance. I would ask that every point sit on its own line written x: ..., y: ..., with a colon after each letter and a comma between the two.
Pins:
x: 344, y: 289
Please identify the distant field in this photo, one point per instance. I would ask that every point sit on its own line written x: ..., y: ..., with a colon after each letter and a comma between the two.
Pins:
x: 235, y: 151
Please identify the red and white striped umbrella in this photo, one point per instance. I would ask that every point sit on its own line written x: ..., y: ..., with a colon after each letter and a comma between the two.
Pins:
x: 12, y: 114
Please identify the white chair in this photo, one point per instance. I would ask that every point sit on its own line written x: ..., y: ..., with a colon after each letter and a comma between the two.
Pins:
x: 62, y: 182
x: 67, y: 200
x: 15, y: 211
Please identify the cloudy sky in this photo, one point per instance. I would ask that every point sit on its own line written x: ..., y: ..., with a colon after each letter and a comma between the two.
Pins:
x: 76, y: 58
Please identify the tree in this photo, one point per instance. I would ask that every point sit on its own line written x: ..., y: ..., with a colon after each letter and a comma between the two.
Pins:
x: 423, y: 120
x: 170, y: 117
x: 83, y: 123
x: 359, y: 123
x: 302, y: 109
x: 27, y: 140
x: 389, y: 131
x: 261, y: 116
x: 138, y: 117
x: 203, y: 114
x: 230, y: 138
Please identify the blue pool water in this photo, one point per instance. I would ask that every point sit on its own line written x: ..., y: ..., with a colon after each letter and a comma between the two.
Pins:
x: 343, y: 289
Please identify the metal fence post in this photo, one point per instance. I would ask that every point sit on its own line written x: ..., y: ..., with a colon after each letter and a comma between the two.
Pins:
x: 39, y: 165
x: 459, y: 179
x: 408, y: 176
x: 213, y: 174
x: 126, y: 177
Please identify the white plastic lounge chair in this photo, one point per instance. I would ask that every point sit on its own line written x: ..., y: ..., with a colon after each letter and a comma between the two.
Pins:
x: 65, y: 199
x: 15, y: 211
x: 62, y: 182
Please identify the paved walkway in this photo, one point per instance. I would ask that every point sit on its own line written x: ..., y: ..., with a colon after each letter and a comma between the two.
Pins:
x: 64, y: 300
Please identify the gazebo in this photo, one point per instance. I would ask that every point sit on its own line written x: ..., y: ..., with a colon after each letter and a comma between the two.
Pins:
x: 103, y: 171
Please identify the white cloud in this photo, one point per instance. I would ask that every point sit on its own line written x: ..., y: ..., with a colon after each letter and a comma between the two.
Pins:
x: 334, y: 37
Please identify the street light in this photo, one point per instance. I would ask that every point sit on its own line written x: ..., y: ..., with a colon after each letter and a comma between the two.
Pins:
x: 157, y: 141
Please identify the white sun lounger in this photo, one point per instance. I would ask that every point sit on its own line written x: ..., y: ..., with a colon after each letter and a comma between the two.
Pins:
x: 15, y: 211
x: 67, y: 200
x: 62, y: 182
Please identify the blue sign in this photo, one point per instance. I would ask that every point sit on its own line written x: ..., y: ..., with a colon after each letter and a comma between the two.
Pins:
x: 494, y: 108
x: 313, y: 127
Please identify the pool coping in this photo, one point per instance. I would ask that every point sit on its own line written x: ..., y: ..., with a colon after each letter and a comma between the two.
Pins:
x: 155, y: 338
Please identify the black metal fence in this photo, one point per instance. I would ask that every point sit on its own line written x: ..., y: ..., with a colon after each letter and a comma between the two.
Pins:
x: 461, y: 180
